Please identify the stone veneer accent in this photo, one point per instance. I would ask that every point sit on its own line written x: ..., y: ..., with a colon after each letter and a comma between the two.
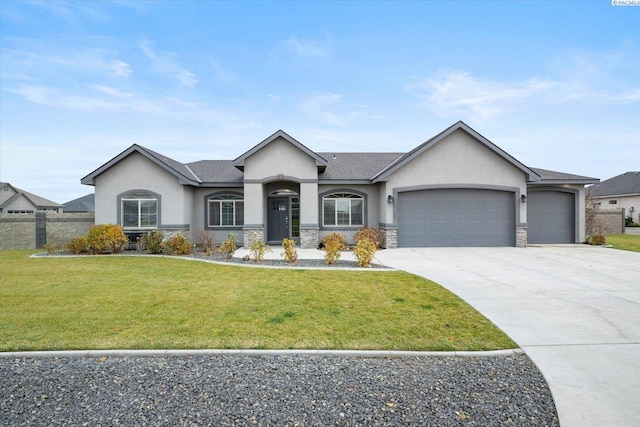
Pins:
x: 390, y: 240
x: 521, y: 236
x: 309, y: 237
x: 249, y: 233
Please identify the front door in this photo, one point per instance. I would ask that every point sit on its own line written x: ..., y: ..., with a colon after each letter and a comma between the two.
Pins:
x: 278, y: 219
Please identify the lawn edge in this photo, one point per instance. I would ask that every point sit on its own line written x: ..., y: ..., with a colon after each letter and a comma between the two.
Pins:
x: 248, y: 352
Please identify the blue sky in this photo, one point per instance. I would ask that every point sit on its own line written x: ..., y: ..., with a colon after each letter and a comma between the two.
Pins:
x: 555, y: 84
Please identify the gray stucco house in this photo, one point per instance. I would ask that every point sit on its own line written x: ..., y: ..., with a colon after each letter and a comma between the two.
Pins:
x: 456, y: 189
x: 622, y: 191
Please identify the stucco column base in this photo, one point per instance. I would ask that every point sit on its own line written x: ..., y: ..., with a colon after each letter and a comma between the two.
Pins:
x: 309, y: 237
x: 251, y: 233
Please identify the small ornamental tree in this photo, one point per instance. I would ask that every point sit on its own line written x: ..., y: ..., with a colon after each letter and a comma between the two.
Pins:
x: 228, y: 247
x: 258, y: 249
x: 290, y: 254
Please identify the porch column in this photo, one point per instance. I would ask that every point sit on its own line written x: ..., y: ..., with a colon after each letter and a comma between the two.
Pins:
x: 309, y: 221
x: 253, y: 213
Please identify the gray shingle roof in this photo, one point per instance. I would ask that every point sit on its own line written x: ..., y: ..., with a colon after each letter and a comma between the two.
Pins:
x: 560, y: 177
x: 352, y: 167
x: 39, y: 202
x: 626, y: 184
x: 356, y: 166
x: 216, y: 171
x: 82, y: 204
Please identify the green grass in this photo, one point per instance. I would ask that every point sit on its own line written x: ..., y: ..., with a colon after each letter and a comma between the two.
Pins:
x: 628, y: 242
x: 124, y: 302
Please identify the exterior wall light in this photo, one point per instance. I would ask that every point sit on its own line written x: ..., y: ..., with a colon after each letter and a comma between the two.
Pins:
x: 523, y: 198
x: 390, y: 199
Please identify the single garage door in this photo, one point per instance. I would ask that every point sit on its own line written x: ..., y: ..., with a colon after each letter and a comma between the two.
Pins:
x: 456, y: 217
x: 551, y: 217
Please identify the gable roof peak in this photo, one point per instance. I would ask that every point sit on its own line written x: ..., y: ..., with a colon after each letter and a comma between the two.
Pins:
x: 180, y: 170
x: 320, y: 161
x: 459, y: 125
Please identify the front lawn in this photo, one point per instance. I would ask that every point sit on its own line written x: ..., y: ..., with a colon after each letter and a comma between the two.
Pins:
x: 629, y: 242
x: 132, y: 302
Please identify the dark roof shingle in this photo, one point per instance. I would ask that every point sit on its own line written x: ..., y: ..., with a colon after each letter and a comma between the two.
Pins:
x: 626, y: 184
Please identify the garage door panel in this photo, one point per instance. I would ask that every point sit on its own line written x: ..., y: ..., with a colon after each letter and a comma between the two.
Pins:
x: 550, y: 217
x: 456, y: 217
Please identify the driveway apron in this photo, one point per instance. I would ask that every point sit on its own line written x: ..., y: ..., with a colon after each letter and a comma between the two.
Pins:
x: 574, y: 310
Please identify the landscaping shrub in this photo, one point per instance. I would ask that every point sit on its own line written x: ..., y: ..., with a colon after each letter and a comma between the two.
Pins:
x: 106, y: 238
x: 596, y: 240
x: 369, y: 233
x: 52, y: 248
x: 258, y: 249
x: 628, y: 222
x: 153, y: 242
x: 209, y: 245
x: 364, y: 252
x: 178, y: 245
x: 333, y: 243
x: 228, y: 247
x: 290, y: 254
x: 78, y: 246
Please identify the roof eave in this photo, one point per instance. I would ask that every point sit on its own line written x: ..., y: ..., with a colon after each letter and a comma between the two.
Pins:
x: 566, y: 181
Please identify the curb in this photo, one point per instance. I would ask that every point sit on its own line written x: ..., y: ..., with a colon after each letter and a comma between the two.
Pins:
x: 259, y: 353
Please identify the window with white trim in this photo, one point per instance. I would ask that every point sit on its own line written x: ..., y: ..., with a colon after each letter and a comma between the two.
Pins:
x: 343, y: 209
x: 139, y: 210
x: 225, y: 210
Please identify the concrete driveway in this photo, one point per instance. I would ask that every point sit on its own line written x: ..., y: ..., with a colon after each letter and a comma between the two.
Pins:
x: 574, y: 310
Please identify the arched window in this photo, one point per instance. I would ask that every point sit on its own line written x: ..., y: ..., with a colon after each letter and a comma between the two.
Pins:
x: 225, y: 210
x: 139, y: 210
x: 343, y: 209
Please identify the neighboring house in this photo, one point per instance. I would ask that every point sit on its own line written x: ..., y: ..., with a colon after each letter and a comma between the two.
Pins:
x: 456, y: 189
x: 622, y: 191
x: 15, y: 200
x: 82, y: 204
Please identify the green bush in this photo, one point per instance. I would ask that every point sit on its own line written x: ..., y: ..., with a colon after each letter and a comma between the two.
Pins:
x: 228, y: 247
x: 153, y: 242
x: 106, y: 238
x: 290, y: 254
x: 178, y: 245
x: 364, y: 252
x: 78, y: 246
x: 333, y: 243
x: 596, y: 240
x: 628, y: 222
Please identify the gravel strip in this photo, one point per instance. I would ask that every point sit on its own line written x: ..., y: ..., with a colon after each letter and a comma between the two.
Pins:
x: 283, y: 390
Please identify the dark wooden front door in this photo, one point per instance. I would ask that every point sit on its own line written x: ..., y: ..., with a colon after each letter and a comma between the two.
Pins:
x: 278, y: 219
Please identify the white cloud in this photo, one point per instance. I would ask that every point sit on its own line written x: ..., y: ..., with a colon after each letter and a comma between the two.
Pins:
x: 312, y: 48
x: 328, y: 108
x: 457, y: 93
x: 164, y: 63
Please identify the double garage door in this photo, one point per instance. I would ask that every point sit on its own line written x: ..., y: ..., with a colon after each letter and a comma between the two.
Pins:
x: 456, y: 217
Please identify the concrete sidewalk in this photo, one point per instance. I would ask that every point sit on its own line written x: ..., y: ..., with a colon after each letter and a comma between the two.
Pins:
x: 574, y: 310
